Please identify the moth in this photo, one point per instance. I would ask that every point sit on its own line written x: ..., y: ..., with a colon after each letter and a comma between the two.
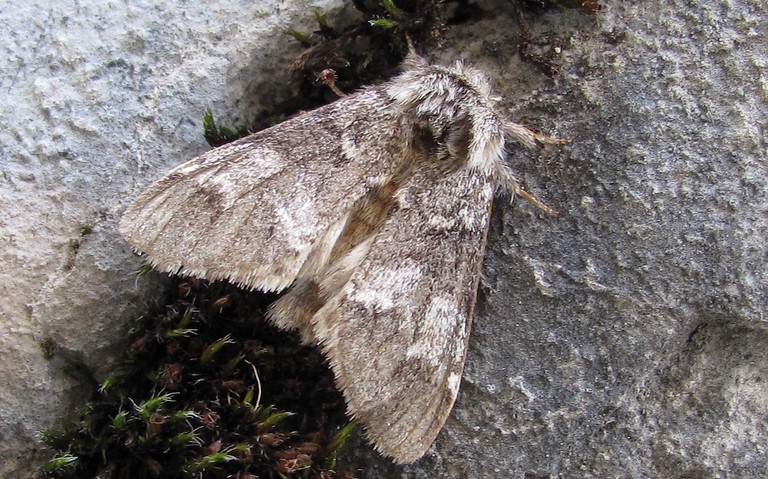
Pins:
x: 373, y: 212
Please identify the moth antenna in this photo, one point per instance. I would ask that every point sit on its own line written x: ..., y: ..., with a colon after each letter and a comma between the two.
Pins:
x: 328, y: 76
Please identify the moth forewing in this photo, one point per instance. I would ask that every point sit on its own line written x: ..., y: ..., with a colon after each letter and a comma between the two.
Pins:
x: 375, y: 209
x: 251, y: 211
x: 396, y: 334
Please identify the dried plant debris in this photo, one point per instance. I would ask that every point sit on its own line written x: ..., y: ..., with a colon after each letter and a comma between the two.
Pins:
x: 545, y: 61
x: 590, y: 6
x: 372, y: 45
x: 205, y: 390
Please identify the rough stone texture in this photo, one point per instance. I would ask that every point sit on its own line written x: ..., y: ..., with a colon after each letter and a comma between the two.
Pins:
x: 624, y: 339
x: 99, y: 99
x: 627, y: 338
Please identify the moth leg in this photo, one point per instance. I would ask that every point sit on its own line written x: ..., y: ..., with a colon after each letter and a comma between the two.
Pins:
x: 510, y: 184
x: 551, y: 140
x: 528, y: 138
x: 534, y: 201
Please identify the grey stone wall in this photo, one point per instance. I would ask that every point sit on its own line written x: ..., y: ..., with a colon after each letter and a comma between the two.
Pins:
x: 624, y: 339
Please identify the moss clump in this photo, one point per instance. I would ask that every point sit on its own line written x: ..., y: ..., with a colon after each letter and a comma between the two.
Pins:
x: 205, y: 390
x: 366, y: 47
x: 48, y: 348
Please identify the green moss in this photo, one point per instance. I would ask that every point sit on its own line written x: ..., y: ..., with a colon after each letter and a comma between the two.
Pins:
x: 220, y: 135
x: 392, y: 9
x: 48, y: 347
x: 230, y: 396
x: 367, y: 48
x: 301, y: 37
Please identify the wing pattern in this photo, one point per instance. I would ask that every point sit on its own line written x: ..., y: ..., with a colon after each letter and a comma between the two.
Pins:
x: 250, y: 211
x: 405, y: 314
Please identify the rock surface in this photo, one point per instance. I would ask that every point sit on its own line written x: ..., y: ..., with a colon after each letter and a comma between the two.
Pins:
x: 624, y: 339
x: 100, y: 99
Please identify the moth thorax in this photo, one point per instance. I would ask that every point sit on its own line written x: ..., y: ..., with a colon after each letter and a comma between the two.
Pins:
x: 446, y: 143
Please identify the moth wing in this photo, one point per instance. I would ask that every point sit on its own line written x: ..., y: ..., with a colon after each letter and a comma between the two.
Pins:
x: 251, y: 211
x: 396, y: 335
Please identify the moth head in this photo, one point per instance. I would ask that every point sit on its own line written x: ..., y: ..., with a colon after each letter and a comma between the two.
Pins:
x: 453, y: 111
